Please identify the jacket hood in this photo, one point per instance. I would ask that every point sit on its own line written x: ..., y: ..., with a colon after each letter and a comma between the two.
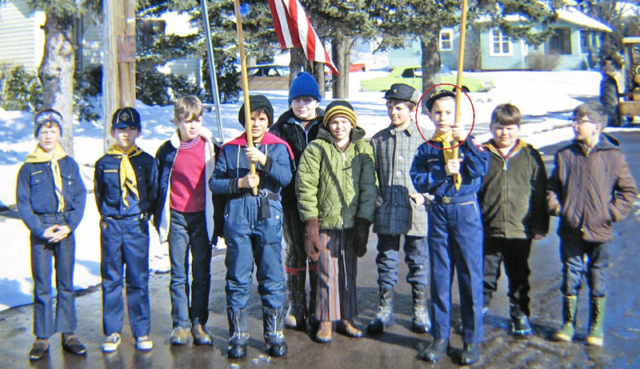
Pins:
x: 356, y: 135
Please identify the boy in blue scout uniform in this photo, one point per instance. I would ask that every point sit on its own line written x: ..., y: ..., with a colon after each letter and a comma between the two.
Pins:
x: 252, y: 229
x: 400, y: 210
x: 455, y: 226
x: 51, y: 198
x: 126, y: 188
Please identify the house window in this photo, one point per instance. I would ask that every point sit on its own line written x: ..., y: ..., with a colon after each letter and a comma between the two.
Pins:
x: 560, y: 42
x: 446, y: 40
x: 500, y: 43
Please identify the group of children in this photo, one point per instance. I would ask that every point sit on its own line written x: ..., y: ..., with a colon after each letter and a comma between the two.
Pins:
x: 311, y: 179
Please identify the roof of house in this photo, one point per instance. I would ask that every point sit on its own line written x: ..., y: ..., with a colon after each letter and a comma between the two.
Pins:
x: 569, y: 15
x: 573, y: 15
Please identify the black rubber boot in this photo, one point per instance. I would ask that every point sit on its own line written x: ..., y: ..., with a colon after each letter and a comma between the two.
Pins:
x: 238, y: 334
x: 421, y: 322
x: 384, y: 317
x: 297, y: 311
x: 436, y: 350
x: 273, y: 323
x: 470, y: 353
x: 520, y: 325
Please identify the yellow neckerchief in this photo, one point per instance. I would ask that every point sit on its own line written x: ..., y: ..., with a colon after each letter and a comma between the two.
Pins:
x: 128, y: 180
x: 40, y: 156
x: 446, y: 139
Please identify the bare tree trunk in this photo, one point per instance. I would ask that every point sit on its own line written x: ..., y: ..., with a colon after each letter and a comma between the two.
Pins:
x: 297, y: 63
x: 340, y: 50
x: 430, y: 60
x: 318, y: 69
x: 56, y: 72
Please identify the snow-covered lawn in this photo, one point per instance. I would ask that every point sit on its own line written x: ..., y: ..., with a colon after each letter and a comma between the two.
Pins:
x: 545, y: 99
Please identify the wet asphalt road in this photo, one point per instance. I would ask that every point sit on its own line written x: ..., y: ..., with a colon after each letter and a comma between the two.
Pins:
x: 398, y: 347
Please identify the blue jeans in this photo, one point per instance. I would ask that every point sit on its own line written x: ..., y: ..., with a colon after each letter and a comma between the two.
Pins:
x: 416, y: 257
x: 125, y: 241
x: 188, y: 231
x: 572, y: 252
x: 63, y: 253
x: 250, y: 238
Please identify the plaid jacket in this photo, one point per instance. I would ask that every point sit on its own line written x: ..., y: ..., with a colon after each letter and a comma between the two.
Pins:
x: 393, y: 153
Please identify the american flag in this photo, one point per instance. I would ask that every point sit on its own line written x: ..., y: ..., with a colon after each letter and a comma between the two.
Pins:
x: 293, y: 28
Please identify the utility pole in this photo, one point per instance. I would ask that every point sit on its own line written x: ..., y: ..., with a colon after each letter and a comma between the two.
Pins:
x: 119, y: 60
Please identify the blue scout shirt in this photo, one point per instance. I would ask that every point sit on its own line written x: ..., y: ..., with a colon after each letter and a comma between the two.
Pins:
x: 109, y: 194
x: 35, y: 194
x: 428, y: 170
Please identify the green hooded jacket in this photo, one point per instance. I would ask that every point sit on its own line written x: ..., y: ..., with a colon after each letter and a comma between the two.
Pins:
x: 336, y: 187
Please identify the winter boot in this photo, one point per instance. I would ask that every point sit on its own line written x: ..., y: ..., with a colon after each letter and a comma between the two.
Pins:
x: 384, y: 317
x: 596, y: 321
x: 569, y: 309
x: 421, y: 323
x: 238, y: 333
x: 313, y: 289
x: 520, y: 325
x: 297, y: 311
x: 273, y: 323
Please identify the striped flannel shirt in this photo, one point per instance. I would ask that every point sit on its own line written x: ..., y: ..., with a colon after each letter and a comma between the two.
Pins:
x: 393, y: 152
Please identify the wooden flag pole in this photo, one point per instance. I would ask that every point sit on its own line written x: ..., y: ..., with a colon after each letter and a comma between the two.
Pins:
x: 245, y: 87
x: 463, y: 35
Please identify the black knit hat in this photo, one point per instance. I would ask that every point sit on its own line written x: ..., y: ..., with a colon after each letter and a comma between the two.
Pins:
x: 439, y: 96
x: 257, y: 102
x: 340, y: 108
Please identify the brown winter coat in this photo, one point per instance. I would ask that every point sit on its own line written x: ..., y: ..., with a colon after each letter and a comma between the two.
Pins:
x: 590, y: 191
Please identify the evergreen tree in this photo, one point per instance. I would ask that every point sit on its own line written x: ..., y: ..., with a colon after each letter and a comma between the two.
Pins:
x: 343, y: 22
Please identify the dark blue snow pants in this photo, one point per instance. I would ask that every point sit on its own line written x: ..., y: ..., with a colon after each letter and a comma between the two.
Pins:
x: 455, y: 243
x: 252, y: 239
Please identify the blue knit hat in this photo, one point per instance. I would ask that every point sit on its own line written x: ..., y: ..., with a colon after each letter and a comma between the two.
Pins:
x: 46, y: 116
x: 304, y: 85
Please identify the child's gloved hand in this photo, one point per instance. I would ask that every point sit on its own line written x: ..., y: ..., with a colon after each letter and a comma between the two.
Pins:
x: 312, y: 239
x: 362, y: 236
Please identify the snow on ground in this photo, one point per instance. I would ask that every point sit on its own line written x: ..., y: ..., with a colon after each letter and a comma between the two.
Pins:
x: 545, y: 99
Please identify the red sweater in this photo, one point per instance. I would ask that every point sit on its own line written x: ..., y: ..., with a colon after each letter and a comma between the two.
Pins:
x: 187, y: 177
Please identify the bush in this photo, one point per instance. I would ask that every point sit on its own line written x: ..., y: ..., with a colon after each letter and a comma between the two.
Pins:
x: 88, y: 85
x: 19, y: 89
x: 543, y: 61
x: 156, y: 88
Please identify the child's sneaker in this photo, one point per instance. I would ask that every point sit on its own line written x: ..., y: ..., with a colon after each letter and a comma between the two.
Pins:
x: 144, y: 343
x: 111, y: 343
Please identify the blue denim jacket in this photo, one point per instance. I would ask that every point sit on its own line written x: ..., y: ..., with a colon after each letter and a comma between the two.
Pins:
x: 107, y: 186
x: 35, y: 194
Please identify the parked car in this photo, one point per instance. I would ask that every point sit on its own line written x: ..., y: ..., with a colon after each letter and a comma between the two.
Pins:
x: 271, y: 77
x: 412, y: 76
x: 267, y: 77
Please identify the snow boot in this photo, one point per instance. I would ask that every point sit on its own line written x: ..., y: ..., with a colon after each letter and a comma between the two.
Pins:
x: 273, y: 324
x: 297, y: 311
x: 520, y: 325
x: 238, y: 333
x: 596, y: 321
x: 421, y: 322
x: 569, y: 309
x: 384, y: 317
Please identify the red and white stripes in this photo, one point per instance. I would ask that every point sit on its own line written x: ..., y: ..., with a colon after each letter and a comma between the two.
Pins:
x: 293, y: 28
